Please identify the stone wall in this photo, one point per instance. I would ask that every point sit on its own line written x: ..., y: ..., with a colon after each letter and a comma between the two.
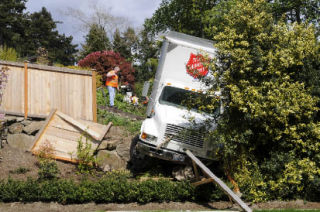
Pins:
x: 19, y: 132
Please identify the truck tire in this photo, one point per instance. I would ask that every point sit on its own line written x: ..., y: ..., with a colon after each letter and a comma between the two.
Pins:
x: 137, y: 161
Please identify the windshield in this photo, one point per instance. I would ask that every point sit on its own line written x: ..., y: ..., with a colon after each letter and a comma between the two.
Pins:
x: 184, y: 98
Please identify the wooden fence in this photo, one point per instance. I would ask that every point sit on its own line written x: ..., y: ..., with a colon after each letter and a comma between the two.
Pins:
x: 34, y: 90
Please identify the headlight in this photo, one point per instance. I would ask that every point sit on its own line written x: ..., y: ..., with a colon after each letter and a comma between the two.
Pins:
x: 148, y: 137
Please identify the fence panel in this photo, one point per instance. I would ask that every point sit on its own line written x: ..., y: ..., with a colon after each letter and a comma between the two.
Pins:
x: 70, y: 91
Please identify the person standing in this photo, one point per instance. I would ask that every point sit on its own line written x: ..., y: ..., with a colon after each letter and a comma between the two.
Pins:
x: 112, y: 84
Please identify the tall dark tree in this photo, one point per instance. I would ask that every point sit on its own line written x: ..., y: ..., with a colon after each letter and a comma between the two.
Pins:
x: 297, y: 10
x: 180, y: 15
x: 125, y: 43
x: 11, y: 21
x: 96, y: 40
x: 147, y: 56
x: 118, y: 44
x: 41, y: 32
x: 27, y: 32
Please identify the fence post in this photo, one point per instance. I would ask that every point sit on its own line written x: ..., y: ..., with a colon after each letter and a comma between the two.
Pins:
x: 25, y: 89
x: 94, y: 95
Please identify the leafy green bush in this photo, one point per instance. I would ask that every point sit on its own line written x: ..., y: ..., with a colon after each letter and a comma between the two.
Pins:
x: 111, y: 188
x: 269, y: 130
x: 8, y: 54
x: 20, y: 170
x: 132, y: 126
x: 86, y: 159
x: 48, y: 169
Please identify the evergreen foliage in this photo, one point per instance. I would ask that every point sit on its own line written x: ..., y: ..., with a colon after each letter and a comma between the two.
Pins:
x: 269, y: 130
x: 8, y: 54
x: 180, y: 15
x: 126, y: 44
x: 27, y: 32
x: 147, y: 56
x: 11, y: 22
x: 96, y: 40
x: 115, y: 187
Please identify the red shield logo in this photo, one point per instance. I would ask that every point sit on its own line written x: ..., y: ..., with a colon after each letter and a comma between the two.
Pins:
x: 195, y: 66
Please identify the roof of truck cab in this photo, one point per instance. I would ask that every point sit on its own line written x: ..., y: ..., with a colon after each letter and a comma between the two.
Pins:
x: 190, y: 41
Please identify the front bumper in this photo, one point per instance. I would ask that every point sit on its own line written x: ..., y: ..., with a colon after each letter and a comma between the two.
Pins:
x: 164, y: 154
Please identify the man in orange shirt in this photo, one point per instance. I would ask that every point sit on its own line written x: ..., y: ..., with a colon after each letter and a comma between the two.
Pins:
x: 112, y: 84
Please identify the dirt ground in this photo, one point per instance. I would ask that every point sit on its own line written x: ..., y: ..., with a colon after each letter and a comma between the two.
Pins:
x: 177, y: 206
x: 12, y: 159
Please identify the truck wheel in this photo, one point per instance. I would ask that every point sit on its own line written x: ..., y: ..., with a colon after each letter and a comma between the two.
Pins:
x: 137, y: 161
x: 133, y: 150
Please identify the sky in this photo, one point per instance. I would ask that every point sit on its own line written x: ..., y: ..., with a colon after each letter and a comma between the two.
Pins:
x: 134, y: 10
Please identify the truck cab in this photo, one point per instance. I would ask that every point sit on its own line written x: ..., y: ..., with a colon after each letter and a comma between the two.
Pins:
x: 164, y: 133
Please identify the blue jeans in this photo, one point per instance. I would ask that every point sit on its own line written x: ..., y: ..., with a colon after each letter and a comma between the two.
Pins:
x: 112, y: 94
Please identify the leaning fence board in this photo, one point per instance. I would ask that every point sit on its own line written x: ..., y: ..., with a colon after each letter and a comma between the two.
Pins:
x: 62, y: 133
x: 220, y: 183
x: 92, y: 129
x: 36, y: 89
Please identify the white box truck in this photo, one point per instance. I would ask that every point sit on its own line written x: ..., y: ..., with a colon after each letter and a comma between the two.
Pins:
x: 161, y: 133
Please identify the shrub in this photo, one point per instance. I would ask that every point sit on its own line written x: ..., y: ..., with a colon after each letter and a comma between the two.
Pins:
x: 8, y: 54
x: 111, y: 188
x: 48, y: 169
x: 86, y: 160
x: 132, y: 126
x: 20, y: 170
x: 265, y: 70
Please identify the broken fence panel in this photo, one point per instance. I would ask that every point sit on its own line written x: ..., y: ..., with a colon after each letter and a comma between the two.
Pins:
x: 63, y: 133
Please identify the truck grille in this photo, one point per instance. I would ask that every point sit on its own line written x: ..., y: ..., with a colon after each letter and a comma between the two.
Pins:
x: 179, y: 134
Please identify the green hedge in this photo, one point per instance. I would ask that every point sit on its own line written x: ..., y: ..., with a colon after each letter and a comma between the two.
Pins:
x: 106, y: 190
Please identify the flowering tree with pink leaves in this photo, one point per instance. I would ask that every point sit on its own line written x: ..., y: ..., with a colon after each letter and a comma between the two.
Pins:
x: 104, y: 61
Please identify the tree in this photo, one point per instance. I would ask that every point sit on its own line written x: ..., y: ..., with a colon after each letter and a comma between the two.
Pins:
x: 269, y: 132
x: 147, y: 56
x: 104, y: 61
x: 181, y: 16
x: 297, y: 10
x: 11, y: 22
x: 126, y: 44
x: 96, y: 40
x: 41, y: 32
x: 27, y: 32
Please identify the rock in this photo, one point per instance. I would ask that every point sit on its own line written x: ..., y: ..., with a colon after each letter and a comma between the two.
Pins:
x: 33, y: 128
x: 107, y: 168
x: 10, y: 119
x: 123, y: 150
x: 108, y: 145
x: 110, y: 158
x: 26, y: 122
x: 15, y: 128
x: 20, y: 119
x: 183, y: 173
x: 20, y: 141
x: 114, y: 132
